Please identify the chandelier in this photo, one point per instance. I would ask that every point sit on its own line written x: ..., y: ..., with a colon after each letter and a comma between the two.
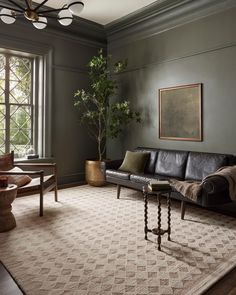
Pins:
x: 38, y: 15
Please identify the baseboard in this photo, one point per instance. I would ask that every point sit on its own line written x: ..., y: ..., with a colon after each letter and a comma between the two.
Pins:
x: 71, y: 178
x: 71, y: 184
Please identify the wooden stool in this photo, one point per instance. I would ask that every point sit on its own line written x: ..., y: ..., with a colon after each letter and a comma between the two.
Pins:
x: 7, y: 196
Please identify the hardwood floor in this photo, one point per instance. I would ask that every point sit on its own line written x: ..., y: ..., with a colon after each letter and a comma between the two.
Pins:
x: 226, y: 286
x: 7, y: 284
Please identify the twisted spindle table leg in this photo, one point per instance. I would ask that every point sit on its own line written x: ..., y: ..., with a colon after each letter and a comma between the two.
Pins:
x: 159, y: 222
x: 145, y: 215
x: 169, y: 215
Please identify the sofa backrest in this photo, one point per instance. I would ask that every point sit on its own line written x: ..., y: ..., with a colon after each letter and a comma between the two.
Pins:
x: 171, y: 163
x: 150, y: 166
x: 199, y: 165
x: 184, y: 164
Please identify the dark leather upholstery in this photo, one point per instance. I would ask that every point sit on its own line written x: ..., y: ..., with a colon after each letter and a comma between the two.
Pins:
x: 199, y: 165
x: 171, y: 163
x: 215, y: 183
x: 117, y: 174
x: 150, y: 166
x: 212, y: 200
x: 145, y: 178
x: 166, y: 164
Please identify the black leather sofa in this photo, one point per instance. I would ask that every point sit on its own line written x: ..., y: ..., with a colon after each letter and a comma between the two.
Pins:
x: 181, y: 165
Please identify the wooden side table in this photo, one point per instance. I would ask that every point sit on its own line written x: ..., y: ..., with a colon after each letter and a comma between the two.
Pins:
x: 7, y: 196
x: 158, y: 230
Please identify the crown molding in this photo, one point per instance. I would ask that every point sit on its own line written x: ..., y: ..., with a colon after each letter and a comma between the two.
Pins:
x: 81, y: 30
x: 159, y: 17
x: 143, y: 14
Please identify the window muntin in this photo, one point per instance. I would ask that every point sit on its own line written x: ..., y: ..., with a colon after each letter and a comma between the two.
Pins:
x: 16, y: 104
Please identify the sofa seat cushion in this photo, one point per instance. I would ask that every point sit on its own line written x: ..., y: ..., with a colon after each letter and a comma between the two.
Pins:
x: 145, y: 178
x: 171, y: 163
x: 117, y: 174
x: 150, y: 165
x: 199, y: 165
x: 141, y: 178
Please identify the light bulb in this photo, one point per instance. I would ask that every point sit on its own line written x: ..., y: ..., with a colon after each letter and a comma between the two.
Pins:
x: 7, y: 16
x: 75, y: 7
x: 41, y: 23
x: 65, y: 17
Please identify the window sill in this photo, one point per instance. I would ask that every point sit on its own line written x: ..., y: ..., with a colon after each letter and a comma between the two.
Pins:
x: 37, y: 160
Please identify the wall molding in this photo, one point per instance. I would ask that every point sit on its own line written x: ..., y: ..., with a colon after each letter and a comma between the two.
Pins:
x: 81, y: 31
x: 201, y: 52
x: 24, y: 45
x: 143, y: 14
x: 144, y: 23
x: 80, y: 70
x: 160, y: 17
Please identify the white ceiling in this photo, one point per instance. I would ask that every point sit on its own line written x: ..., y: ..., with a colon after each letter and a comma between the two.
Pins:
x: 104, y: 11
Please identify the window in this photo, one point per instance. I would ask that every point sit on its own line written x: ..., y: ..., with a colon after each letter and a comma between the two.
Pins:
x: 17, y: 104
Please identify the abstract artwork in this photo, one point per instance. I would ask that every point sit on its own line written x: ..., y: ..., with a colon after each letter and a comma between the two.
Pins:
x: 180, y: 112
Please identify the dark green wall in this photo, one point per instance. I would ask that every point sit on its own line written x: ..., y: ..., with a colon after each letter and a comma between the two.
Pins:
x: 69, y: 50
x: 201, y: 51
x: 163, y: 49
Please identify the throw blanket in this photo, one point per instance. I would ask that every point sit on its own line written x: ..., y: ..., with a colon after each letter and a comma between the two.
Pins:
x: 229, y: 173
x: 189, y: 189
x: 192, y: 189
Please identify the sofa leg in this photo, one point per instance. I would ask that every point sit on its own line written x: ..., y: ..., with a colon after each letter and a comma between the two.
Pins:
x: 118, y: 191
x: 182, y: 209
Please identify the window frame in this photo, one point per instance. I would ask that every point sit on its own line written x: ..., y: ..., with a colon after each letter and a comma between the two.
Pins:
x: 32, y: 105
x: 43, y: 57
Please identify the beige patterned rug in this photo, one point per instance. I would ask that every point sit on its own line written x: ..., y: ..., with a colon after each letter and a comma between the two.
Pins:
x: 91, y: 243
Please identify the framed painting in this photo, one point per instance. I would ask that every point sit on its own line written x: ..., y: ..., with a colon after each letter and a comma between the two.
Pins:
x: 180, y: 112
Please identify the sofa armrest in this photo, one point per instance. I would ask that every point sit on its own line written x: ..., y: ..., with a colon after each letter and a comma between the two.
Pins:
x: 113, y: 164
x: 215, y: 184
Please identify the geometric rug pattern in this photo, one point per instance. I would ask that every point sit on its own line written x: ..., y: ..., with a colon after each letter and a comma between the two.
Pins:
x: 90, y: 243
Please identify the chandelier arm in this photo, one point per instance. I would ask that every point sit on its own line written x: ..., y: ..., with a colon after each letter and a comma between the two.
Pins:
x: 47, y: 16
x: 40, y: 5
x: 76, y: 2
x: 17, y: 5
x: 10, y: 8
x: 7, y: 15
x: 54, y: 17
x: 53, y: 10
x: 27, y: 4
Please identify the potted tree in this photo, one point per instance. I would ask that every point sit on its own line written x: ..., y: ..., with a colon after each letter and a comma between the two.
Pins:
x: 103, y: 118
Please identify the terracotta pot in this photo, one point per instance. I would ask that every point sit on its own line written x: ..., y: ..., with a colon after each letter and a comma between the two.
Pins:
x: 94, y: 172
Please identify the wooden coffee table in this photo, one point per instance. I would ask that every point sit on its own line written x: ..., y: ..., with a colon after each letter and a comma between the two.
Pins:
x: 7, y: 196
x: 157, y: 230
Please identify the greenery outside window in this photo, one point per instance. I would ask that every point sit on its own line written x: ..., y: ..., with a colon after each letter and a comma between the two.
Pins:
x: 17, y: 105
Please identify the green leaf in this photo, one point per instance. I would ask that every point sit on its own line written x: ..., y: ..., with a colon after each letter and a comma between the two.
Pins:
x: 103, y: 118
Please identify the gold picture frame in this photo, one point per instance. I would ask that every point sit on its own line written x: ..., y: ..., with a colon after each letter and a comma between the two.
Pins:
x: 180, y: 112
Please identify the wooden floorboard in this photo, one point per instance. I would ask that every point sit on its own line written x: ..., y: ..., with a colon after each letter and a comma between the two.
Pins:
x: 7, y: 284
x: 225, y: 286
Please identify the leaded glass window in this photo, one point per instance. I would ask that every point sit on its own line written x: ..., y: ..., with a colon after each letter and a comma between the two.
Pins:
x: 16, y: 104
